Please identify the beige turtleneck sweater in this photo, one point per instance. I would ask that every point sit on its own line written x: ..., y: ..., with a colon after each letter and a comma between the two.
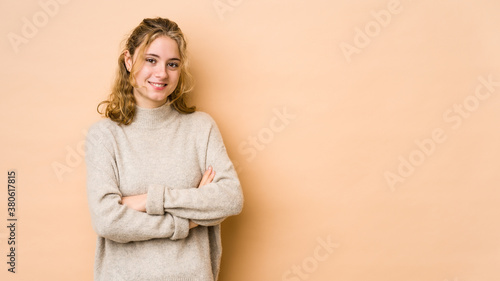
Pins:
x: 163, y: 153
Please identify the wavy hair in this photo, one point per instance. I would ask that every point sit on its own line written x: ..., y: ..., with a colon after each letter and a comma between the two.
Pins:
x: 120, y: 105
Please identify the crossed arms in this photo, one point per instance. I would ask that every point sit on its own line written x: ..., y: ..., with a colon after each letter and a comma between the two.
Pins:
x: 138, y: 202
x: 163, y: 212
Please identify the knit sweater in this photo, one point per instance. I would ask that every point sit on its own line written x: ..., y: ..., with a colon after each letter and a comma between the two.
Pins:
x: 163, y: 153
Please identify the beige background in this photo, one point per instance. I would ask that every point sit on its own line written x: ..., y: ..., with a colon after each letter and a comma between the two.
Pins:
x: 364, y: 100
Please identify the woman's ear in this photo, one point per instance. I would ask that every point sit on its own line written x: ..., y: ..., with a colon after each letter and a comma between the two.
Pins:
x: 128, y: 60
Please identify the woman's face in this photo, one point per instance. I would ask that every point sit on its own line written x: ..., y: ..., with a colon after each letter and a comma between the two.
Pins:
x: 159, y: 75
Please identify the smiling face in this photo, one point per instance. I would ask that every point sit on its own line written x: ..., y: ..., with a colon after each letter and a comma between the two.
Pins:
x: 160, y: 72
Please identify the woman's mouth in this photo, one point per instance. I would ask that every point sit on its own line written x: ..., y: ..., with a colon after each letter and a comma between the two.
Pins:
x: 157, y: 86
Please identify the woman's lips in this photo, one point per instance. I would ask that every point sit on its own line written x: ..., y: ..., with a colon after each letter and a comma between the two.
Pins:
x: 157, y: 86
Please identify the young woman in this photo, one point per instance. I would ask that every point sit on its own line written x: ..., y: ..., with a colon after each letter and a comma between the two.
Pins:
x: 159, y: 180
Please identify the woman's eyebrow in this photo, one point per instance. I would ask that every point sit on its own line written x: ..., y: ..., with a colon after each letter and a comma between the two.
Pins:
x: 157, y: 56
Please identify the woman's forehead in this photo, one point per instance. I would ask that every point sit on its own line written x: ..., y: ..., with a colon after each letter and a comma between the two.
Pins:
x: 164, y: 47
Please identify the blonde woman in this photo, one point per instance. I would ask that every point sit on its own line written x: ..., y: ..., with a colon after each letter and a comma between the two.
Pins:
x: 159, y: 180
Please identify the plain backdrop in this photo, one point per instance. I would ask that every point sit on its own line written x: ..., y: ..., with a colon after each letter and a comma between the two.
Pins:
x: 365, y: 133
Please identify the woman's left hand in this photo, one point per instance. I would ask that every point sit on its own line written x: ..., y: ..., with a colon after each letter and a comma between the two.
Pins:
x: 136, y: 202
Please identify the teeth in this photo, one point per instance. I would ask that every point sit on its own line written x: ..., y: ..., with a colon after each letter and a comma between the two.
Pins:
x: 157, y: 85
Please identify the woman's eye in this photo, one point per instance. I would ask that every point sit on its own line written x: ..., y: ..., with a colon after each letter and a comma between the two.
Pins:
x: 150, y: 60
x: 173, y: 64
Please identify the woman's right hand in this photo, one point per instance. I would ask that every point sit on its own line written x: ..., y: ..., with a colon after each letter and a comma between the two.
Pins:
x: 207, y: 178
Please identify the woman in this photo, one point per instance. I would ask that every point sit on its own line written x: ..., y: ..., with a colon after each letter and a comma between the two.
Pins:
x: 159, y: 180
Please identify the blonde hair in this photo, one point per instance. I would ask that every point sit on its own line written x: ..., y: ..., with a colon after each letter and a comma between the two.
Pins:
x: 120, y: 105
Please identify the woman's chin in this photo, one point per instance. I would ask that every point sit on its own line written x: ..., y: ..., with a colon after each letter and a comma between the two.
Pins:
x: 158, y: 98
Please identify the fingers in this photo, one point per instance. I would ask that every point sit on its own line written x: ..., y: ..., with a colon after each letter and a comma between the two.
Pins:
x: 205, y: 177
x: 208, y: 176
x: 211, y: 176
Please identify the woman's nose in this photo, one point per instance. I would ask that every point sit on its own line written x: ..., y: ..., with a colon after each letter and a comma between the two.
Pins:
x: 161, y: 72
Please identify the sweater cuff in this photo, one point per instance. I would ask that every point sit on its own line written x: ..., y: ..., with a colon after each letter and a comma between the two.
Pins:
x: 181, y: 229
x: 154, y: 201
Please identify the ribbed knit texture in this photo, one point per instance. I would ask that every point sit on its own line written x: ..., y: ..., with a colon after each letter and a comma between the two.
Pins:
x: 163, y: 153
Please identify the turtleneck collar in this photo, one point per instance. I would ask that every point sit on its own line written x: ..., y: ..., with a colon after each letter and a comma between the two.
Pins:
x: 153, y: 117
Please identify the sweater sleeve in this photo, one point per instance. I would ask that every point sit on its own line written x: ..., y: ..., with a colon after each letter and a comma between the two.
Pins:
x: 110, y: 219
x: 211, y: 203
